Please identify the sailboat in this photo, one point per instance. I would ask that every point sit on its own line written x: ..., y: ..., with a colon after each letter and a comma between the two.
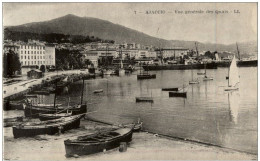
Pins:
x: 193, y: 81
x: 206, y: 78
x: 233, y: 76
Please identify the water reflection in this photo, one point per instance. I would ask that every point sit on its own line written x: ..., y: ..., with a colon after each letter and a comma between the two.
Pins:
x: 233, y: 101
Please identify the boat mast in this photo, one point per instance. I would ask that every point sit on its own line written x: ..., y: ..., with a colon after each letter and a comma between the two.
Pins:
x: 238, y: 54
x: 81, y: 99
x: 54, y: 104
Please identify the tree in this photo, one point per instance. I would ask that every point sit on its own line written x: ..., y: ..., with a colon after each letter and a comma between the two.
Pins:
x: 11, y: 63
x: 42, y: 68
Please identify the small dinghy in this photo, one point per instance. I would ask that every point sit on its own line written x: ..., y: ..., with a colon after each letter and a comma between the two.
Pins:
x: 170, y: 89
x: 207, y: 78
x: 144, y: 99
x: 98, y: 142
x: 50, y: 127
x: 98, y: 91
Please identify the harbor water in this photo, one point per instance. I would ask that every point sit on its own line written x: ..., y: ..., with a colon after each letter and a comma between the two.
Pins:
x: 209, y: 114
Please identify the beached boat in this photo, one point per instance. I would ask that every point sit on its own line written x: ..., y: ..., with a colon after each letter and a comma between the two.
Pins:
x: 170, y: 89
x: 144, y: 99
x: 50, y: 127
x: 98, y: 91
x: 44, y: 117
x: 98, y: 142
x: 233, y: 76
x: 34, y: 111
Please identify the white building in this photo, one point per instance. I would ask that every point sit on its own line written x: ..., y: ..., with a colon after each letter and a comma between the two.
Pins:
x: 32, y: 54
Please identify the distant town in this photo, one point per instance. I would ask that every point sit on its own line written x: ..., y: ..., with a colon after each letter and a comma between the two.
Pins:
x: 35, y: 54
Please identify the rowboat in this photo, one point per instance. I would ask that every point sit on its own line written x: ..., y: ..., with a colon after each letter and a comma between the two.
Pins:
x: 34, y: 111
x: 177, y: 94
x: 170, y: 89
x: 98, y: 91
x: 44, y: 117
x: 50, y: 127
x: 98, y: 142
x: 144, y: 99
x: 146, y: 76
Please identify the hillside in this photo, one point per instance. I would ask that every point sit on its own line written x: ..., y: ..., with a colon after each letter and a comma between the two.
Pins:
x: 86, y: 26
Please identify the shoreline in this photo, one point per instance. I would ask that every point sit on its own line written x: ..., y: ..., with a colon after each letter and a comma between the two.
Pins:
x: 144, y: 146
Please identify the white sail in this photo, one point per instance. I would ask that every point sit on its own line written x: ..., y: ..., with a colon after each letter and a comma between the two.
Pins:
x: 65, y: 80
x: 233, y: 73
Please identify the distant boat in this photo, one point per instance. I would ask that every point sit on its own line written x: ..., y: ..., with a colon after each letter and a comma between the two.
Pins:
x: 98, y: 142
x: 170, y: 89
x: 98, y: 91
x: 144, y: 99
x: 193, y: 81
x: 206, y: 78
x: 180, y: 93
x: 233, y: 76
x: 146, y: 75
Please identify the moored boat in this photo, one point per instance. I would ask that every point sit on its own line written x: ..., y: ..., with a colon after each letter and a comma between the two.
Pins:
x: 146, y: 76
x: 98, y: 142
x: 177, y: 94
x: 144, y: 99
x: 170, y: 89
x: 44, y: 117
x: 50, y: 127
x: 98, y: 91
x: 34, y: 111
x: 233, y: 76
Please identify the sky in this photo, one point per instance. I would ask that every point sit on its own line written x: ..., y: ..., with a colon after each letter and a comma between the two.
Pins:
x: 224, y: 28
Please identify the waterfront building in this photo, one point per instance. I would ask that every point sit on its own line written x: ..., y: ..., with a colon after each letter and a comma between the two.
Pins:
x: 32, y: 53
x: 171, y: 52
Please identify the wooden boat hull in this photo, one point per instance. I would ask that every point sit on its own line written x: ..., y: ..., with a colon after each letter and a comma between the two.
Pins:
x: 144, y: 99
x: 177, y: 94
x: 170, y: 89
x: 146, y: 76
x: 44, y: 117
x: 74, y: 148
x: 50, y: 129
x: 32, y: 111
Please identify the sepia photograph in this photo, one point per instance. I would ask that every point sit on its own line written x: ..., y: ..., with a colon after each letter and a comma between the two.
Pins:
x: 129, y: 81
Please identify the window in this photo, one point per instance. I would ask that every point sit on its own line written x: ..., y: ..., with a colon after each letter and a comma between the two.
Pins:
x: 25, y: 62
x: 24, y: 57
x: 32, y: 57
x: 37, y: 52
x: 25, y: 46
x: 37, y: 57
x: 21, y: 46
x: 40, y: 52
x: 21, y: 52
x: 34, y: 52
x: 31, y: 52
x: 34, y: 62
x: 24, y: 52
x: 21, y: 57
x: 43, y: 57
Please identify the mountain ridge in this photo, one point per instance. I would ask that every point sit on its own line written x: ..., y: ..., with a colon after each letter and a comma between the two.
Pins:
x: 74, y: 25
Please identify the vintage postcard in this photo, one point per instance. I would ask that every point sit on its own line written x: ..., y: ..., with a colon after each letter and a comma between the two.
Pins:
x: 130, y: 81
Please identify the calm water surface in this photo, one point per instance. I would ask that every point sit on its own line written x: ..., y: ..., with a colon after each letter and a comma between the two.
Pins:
x: 208, y: 114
